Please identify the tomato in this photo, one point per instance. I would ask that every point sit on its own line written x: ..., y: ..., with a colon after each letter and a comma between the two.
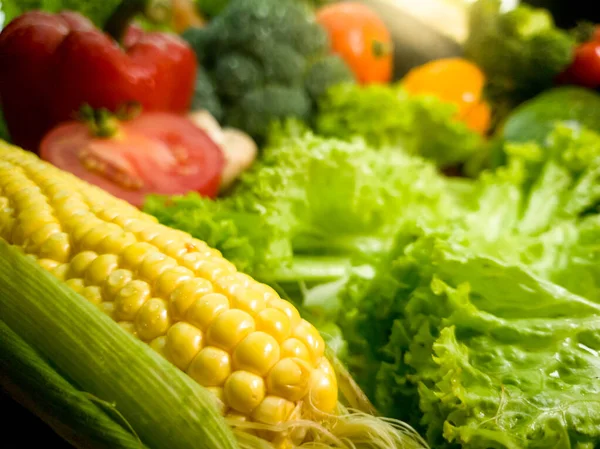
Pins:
x: 585, y: 68
x: 361, y: 38
x: 161, y: 153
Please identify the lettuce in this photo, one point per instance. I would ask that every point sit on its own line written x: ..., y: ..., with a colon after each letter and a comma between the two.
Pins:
x: 421, y: 125
x: 495, y: 356
x: 488, y: 323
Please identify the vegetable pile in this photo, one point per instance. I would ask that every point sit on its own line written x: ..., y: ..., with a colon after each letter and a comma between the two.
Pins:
x: 431, y: 241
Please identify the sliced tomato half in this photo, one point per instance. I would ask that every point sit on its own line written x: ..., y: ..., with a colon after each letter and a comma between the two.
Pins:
x: 155, y: 153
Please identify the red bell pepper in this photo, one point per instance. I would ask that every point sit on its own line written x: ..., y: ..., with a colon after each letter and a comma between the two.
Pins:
x: 52, y: 64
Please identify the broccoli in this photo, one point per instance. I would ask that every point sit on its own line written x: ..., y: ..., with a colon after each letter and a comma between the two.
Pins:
x: 520, y: 51
x: 269, y: 60
x: 205, y: 96
x: 258, y: 108
x: 326, y: 72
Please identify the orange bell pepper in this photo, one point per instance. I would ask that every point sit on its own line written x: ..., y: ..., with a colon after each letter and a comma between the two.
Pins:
x: 454, y: 80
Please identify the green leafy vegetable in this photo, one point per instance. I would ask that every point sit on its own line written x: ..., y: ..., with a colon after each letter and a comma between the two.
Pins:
x: 521, y: 51
x: 385, y: 115
x: 535, y: 119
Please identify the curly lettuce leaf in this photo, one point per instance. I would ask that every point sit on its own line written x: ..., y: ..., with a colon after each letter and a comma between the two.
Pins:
x: 493, y: 356
x: 422, y: 125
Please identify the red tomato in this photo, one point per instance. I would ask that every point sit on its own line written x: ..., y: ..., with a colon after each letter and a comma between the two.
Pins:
x: 586, y: 67
x: 157, y: 152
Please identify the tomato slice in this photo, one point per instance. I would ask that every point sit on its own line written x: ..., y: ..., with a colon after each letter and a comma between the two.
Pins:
x: 159, y: 153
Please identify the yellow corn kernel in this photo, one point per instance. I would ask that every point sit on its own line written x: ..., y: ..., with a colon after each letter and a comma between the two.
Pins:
x: 289, y: 379
x: 294, y: 348
x: 101, y: 268
x: 80, y: 263
x: 183, y: 343
x: 115, y: 241
x: 92, y: 239
x: 134, y: 254
x: 273, y: 410
x: 155, y: 264
x: 323, y: 391
x: 244, y: 391
x: 274, y: 322
x: 159, y: 344
x: 185, y: 294
x: 214, y: 268
x: 48, y: 264
x: 257, y: 353
x: 249, y: 301
x: 211, y: 367
x: 128, y: 327
x: 204, y: 310
x: 115, y: 282
x: 61, y: 271
x: 130, y: 299
x: 56, y: 247
x: 309, y: 335
x: 76, y: 284
x: 193, y: 260
x: 93, y: 294
x: 170, y: 279
x: 152, y: 320
x: 288, y: 309
x: 229, y: 328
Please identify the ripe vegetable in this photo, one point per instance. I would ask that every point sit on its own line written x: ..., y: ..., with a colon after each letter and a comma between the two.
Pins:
x: 457, y: 81
x: 585, y: 68
x: 156, y: 152
x: 42, y: 85
x: 263, y: 363
x: 267, y: 60
x: 361, y: 38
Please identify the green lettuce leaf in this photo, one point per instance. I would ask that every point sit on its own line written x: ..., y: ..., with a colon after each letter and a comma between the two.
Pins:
x: 422, y: 125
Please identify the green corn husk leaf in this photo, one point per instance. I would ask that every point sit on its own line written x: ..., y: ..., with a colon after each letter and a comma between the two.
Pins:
x: 72, y: 414
x: 166, y: 408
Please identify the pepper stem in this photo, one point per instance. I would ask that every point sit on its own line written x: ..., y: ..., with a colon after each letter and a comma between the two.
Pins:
x: 155, y: 11
x: 381, y: 49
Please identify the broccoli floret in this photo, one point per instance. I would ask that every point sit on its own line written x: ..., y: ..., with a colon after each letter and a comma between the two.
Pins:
x: 205, y: 96
x: 258, y: 108
x: 236, y: 74
x: 520, y: 51
x: 326, y: 72
x: 281, y: 64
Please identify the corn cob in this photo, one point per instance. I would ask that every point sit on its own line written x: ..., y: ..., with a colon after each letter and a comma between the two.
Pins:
x: 264, y: 364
